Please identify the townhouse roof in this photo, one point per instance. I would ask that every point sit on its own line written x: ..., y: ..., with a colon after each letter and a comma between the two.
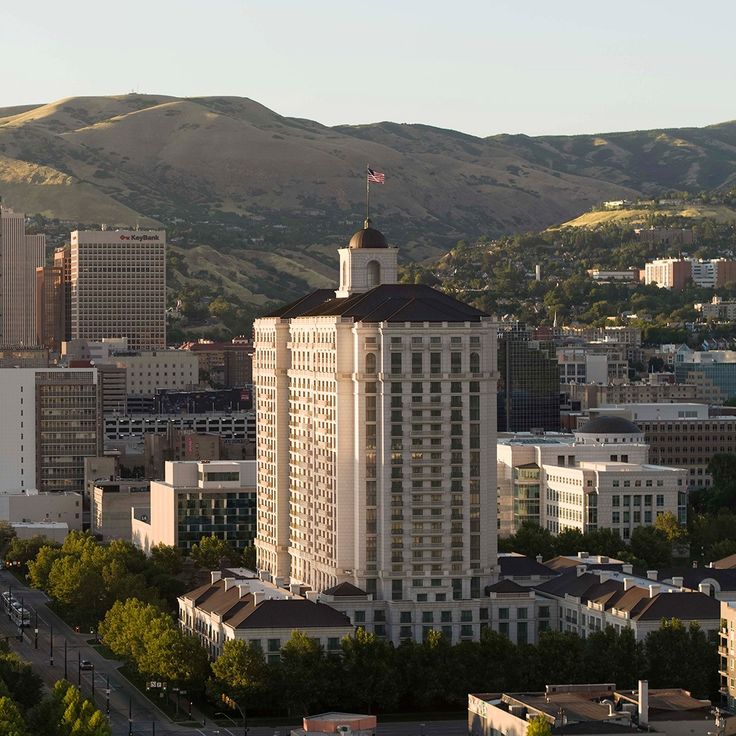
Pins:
x: 383, y: 303
x: 246, y: 611
x: 507, y: 586
x: 515, y: 565
x: 344, y: 589
x: 725, y: 563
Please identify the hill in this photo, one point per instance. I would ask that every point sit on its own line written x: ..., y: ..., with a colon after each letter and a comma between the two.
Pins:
x: 275, y: 195
x: 635, y: 216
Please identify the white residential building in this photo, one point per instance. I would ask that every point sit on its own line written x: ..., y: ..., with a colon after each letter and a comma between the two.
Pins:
x: 376, y: 439
x: 598, y: 478
x: 240, y: 606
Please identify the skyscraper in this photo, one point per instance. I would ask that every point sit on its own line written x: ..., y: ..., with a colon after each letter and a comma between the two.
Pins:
x: 376, y: 440
x: 20, y: 256
x: 118, y: 286
x: 63, y: 260
x: 529, y: 383
x: 50, y: 313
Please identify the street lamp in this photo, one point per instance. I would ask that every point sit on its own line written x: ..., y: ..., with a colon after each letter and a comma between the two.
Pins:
x: 51, y: 644
x: 35, y: 632
x: 107, y: 694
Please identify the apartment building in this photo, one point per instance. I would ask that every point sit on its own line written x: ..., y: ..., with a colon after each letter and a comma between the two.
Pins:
x: 118, y: 286
x: 199, y: 499
x: 376, y: 440
x: 676, y: 273
x: 718, y: 309
x: 20, y: 256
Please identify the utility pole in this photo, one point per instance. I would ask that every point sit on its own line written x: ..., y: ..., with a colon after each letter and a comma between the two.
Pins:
x: 107, y: 694
x: 51, y: 644
x: 66, y: 674
x: 35, y: 632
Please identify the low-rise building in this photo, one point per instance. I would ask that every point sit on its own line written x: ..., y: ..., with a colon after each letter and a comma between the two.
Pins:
x: 111, y: 504
x: 54, y: 531
x: 718, y: 309
x: 156, y: 369
x: 592, y: 709
x: 592, y: 364
x: 32, y: 506
x: 238, y: 605
x: 199, y: 499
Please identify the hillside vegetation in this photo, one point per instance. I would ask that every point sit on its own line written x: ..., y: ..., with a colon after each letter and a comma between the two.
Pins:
x: 260, y: 201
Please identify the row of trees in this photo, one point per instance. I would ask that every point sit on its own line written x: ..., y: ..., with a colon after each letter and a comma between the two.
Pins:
x: 149, y: 639
x: 85, y: 578
x: 371, y: 675
x: 25, y: 711
x: 650, y: 547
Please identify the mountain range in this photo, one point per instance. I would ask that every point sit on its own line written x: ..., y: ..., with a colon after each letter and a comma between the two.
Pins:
x: 289, y: 190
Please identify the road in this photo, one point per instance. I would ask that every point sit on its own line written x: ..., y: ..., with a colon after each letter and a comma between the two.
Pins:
x: 124, y: 699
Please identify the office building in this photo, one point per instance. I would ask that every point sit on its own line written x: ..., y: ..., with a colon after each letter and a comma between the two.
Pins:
x: 63, y: 261
x: 376, y: 441
x: 51, y: 423
x: 50, y: 316
x: 708, y: 368
x: 668, y: 273
x: 152, y: 370
x: 199, y: 499
x: 593, y: 395
x: 528, y: 383
x: 601, y: 363
x: 24, y: 358
x: 118, y: 286
x: 237, y: 605
x: 228, y: 364
x: 239, y: 425
x: 598, y: 478
x: 20, y: 256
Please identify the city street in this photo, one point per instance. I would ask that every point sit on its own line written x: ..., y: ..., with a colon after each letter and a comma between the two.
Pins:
x: 124, y: 699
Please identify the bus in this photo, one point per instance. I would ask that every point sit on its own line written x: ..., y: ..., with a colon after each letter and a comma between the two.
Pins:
x: 20, y: 616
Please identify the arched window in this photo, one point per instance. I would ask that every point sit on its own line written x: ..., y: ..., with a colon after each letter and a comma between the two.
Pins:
x: 373, y: 269
x: 370, y: 363
x: 474, y: 362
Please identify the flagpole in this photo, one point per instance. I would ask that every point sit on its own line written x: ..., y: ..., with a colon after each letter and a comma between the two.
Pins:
x: 367, y: 193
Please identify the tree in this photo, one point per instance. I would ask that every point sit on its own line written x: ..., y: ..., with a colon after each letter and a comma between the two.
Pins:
x: 242, y: 671
x: 651, y: 547
x: 210, y: 552
x: 301, y: 673
x: 7, y: 535
x: 11, y: 721
x: 167, y: 558
x: 668, y: 525
x: 366, y: 672
x: 78, y: 716
x: 22, y: 683
x: 531, y: 540
x: 614, y: 657
x: 24, y: 550
x: 539, y: 726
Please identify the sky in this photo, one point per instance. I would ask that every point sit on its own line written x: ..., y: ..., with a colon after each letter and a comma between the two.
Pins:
x: 482, y: 66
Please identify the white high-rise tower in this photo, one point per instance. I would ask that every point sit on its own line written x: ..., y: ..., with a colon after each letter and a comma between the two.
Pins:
x: 376, y: 442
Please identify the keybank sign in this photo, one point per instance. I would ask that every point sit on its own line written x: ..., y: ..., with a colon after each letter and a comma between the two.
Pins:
x: 140, y: 237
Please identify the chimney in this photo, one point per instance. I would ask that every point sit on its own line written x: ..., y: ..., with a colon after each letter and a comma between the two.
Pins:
x: 229, y: 582
x: 539, y: 559
x: 215, y: 575
x: 258, y: 597
x: 678, y: 582
x: 313, y: 595
x: 628, y: 583
x: 652, y: 574
x: 654, y: 590
x: 580, y: 570
x: 582, y: 555
x: 704, y: 588
x: 643, y: 703
x: 604, y: 575
x: 295, y: 588
x: 243, y: 589
x: 627, y: 569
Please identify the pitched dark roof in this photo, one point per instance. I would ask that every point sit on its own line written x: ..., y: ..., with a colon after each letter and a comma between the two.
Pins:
x: 289, y: 614
x: 384, y: 303
x: 344, y: 589
x: 506, y: 586
x: 693, y: 576
x: 685, y: 606
x: 562, y: 563
x: 605, y: 424
x: 522, y: 566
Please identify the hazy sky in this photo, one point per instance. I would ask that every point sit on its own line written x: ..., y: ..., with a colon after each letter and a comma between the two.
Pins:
x: 484, y: 67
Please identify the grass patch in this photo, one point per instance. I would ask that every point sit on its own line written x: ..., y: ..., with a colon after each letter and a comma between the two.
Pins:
x: 102, y: 649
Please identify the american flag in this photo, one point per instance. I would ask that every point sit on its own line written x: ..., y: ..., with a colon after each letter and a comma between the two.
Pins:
x: 377, y: 177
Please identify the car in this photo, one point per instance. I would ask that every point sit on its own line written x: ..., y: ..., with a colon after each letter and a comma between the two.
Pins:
x: 85, y: 664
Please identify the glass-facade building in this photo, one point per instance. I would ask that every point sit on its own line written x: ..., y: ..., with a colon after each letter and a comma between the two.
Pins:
x: 529, y: 384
